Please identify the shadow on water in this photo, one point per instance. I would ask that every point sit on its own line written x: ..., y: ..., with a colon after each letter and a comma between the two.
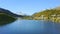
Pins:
x: 6, y: 19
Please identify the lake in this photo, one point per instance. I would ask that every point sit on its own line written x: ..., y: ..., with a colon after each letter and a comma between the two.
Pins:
x: 31, y: 27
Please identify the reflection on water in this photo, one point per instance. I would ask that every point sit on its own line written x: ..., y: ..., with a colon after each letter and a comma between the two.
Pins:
x: 30, y: 27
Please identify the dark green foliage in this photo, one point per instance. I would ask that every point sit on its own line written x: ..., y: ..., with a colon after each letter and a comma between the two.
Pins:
x: 6, y: 19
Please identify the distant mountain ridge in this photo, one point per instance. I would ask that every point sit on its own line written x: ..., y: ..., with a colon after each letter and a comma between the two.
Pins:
x: 57, y: 8
x: 9, y: 13
x: 48, y: 12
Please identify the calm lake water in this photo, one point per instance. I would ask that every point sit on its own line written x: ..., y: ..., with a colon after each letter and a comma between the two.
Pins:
x: 30, y: 27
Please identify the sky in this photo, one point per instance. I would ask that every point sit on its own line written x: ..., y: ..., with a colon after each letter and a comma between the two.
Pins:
x: 28, y: 7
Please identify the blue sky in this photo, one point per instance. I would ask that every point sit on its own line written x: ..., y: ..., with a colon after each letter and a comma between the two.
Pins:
x: 28, y: 6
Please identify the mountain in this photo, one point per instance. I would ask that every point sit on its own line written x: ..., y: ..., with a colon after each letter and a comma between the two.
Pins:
x: 9, y: 13
x: 6, y: 17
x: 48, y: 14
x: 57, y: 8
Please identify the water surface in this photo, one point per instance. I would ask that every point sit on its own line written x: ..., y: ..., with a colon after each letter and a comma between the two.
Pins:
x: 31, y: 27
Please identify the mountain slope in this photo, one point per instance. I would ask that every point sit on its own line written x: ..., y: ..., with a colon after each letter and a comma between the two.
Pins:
x: 9, y: 13
x: 48, y: 14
